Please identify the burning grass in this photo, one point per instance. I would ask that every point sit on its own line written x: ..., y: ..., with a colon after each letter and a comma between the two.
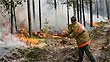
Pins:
x: 49, y: 50
x: 23, y: 35
x: 50, y: 47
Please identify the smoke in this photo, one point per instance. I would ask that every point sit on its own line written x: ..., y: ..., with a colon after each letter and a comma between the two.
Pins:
x: 8, y: 41
x: 57, y: 18
x: 3, y: 16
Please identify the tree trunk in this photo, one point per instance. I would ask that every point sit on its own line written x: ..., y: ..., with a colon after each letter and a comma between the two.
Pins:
x: 68, y: 11
x: 107, y: 6
x: 34, y: 14
x: 101, y: 8
x: 12, y: 32
x: 91, y: 14
x: 29, y: 18
x: 40, y: 14
x: 78, y: 10
x: 15, y: 17
x: 55, y: 4
x: 74, y: 10
x: 83, y: 13
x: 33, y: 10
x: 97, y: 9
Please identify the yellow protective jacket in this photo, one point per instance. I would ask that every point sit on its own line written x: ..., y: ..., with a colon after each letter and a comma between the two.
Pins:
x: 79, y: 32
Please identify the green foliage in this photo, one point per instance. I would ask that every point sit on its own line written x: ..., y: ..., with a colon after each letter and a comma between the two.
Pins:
x: 7, y: 4
x: 46, y: 26
x: 87, y: 2
x: 35, y: 53
x: 95, y: 33
x: 73, y: 1
x: 102, y: 23
x: 107, y: 49
x: 32, y: 55
x: 107, y: 59
x: 50, y: 1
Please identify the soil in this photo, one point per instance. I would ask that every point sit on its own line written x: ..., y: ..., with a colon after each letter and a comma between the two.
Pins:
x: 63, y: 50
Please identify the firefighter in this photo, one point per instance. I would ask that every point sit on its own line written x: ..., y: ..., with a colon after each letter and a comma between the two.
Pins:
x: 78, y: 31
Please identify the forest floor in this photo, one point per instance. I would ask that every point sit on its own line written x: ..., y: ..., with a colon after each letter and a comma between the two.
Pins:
x: 56, y: 50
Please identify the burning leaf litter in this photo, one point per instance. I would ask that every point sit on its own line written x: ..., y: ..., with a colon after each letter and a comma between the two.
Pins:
x: 50, y: 49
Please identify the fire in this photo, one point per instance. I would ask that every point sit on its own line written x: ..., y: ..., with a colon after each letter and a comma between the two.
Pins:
x: 4, y: 35
x: 35, y: 33
x: 42, y: 35
x: 55, y: 35
x: 63, y: 31
x: 23, y: 28
x: 22, y: 37
x: 33, y: 41
x: 95, y: 24
x: 6, y: 24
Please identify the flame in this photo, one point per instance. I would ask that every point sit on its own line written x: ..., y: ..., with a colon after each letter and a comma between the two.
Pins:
x: 4, y: 35
x: 56, y: 35
x: 42, y: 35
x: 33, y: 41
x: 22, y: 37
x: 35, y: 33
x: 63, y: 31
x: 6, y: 24
x: 95, y: 24
x: 23, y: 28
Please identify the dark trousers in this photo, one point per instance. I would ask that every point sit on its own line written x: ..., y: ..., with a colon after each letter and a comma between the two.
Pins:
x: 85, y: 49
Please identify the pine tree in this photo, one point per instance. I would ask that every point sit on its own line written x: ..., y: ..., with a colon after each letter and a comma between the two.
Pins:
x: 12, y: 32
x: 83, y: 13
x: 68, y: 11
x: 40, y: 14
x: 107, y: 6
x: 29, y: 18
x: 97, y: 9
x: 78, y: 10
x: 91, y: 14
